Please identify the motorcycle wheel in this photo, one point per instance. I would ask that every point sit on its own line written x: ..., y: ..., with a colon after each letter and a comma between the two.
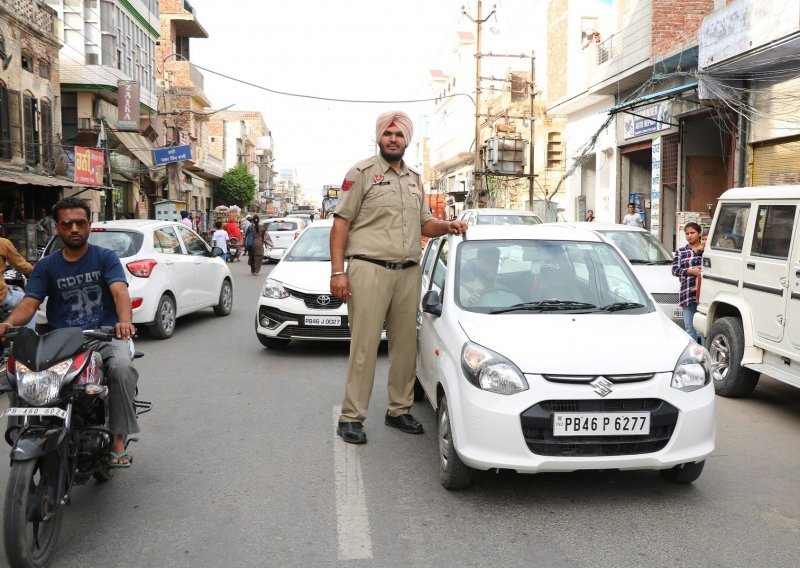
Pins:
x: 30, y: 543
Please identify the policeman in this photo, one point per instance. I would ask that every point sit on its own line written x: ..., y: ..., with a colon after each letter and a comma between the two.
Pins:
x: 377, y: 226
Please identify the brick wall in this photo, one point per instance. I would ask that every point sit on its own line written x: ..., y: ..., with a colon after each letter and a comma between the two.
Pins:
x: 675, y: 24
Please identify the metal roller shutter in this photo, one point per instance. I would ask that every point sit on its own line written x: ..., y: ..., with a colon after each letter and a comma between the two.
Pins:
x: 776, y: 163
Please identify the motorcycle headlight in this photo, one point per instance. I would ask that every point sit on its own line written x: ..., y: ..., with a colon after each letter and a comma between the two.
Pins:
x: 491, y: 371
x: 692, y: 371
x: 274, y: 289
x: 41, y: 387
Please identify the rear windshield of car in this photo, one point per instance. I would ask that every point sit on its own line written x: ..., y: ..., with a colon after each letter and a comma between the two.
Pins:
x: 282, y: 226
x: 124, y: 243
x: 639, y: 247
x: 508, y: 220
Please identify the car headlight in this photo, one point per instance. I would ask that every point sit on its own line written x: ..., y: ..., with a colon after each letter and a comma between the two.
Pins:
x: 274, y: 289
x: 41, y: 387
x: 692, y: 371
x: 491, y: 371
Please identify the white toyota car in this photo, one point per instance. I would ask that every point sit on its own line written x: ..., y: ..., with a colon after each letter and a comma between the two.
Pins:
x: 541, y: 351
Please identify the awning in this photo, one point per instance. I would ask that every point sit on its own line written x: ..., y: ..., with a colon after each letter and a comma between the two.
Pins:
x: 652, y: 97
x: 25, y: 178
x: 136, y: 145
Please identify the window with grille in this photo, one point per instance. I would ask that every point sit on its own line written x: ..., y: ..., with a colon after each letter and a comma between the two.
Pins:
x: 27, y: 62
x: 5, y: 131
x: 47, y: 136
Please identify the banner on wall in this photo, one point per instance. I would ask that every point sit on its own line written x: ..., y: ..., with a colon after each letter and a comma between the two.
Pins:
x: 89, y: 166
x: 655, y: 189
x: 128, y: 105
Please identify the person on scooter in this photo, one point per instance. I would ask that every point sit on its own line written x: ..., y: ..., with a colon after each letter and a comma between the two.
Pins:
x: 10, y: 297
x: 234, y: 232
x: 87, y: 288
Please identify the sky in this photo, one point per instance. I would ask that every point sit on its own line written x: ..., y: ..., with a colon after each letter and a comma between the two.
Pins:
x: 377, y: 50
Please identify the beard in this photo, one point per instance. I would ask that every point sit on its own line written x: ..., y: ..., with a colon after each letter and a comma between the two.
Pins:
x: 74, y: 242
x: 391, y: 155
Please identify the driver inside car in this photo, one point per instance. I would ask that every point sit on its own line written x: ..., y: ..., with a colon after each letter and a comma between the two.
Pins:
x: 478, y: 275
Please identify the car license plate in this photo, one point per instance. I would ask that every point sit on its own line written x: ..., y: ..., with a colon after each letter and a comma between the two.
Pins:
x: 324, y: 320
x: 677, y: 312
x: 601, y: 423
x: 35, y: 412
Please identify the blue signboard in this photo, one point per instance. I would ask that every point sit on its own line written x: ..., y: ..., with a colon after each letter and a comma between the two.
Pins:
x: 172, y: 154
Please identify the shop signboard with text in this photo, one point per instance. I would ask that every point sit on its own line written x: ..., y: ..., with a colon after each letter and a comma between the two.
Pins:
x: 172, y: 154
x: 646, y: 120
x: 128, y: 105
x: 89, y: 165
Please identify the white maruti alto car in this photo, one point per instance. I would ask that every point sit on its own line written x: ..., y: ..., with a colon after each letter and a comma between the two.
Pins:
x: 170, y: 269
x: 541, y: 352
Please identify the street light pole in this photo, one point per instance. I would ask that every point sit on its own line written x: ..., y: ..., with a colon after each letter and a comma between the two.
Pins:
x: 532, y: 124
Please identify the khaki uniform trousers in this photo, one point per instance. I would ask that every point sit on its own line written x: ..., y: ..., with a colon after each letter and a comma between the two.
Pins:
x: 380, y: 294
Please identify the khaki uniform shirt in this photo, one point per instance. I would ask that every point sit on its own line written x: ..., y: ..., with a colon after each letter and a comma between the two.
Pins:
x: 9, y: 255
x: 386, y: 211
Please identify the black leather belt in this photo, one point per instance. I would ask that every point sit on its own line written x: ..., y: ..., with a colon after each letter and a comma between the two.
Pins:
x: 387, y: 264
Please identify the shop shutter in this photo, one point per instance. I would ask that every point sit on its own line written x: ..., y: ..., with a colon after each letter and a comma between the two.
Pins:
x: 776, y: 163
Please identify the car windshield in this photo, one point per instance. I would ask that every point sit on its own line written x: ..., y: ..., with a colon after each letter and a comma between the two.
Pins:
x: 639, y: 247
x: 545, y: 277
x: 508, y: 220
x: 312, y: 245
x: 282, y: 226
x: 124, y: 243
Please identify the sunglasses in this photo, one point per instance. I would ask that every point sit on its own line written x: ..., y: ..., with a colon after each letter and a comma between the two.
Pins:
x: 67, y: 223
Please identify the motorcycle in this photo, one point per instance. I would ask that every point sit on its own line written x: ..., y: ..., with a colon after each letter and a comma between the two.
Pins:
x: 58, y: 429
x: 14, y: 277
x: 234, y: 251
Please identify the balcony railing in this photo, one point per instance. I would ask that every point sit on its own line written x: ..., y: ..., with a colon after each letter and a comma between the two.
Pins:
x: 36, y: 14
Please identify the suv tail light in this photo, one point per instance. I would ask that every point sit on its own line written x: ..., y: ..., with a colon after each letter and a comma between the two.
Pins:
x: 136, y: 303
x: 142, y: 268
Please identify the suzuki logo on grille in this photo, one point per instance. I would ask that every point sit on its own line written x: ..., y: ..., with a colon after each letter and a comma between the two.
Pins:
x: 323, y: 300
x: 602, y: 386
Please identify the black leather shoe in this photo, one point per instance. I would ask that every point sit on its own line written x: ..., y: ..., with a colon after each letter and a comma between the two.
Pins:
x: 352, y: 432
x: 404, y: 422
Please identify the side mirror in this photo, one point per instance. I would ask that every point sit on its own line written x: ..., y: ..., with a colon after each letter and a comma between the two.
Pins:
x: 431, y: 303
x: 216, y: 251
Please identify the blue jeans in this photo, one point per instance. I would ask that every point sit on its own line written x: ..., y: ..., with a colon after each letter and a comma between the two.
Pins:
x: 14, y: 297
x: 688, y: 324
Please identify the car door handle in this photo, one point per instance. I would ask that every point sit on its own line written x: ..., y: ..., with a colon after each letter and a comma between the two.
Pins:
x: 169, y: 262
x: 751, y: 265
x: 797, y: 273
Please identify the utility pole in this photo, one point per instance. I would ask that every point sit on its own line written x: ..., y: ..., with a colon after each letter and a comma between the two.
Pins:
x: 479, y: 20
x: 532, y: 123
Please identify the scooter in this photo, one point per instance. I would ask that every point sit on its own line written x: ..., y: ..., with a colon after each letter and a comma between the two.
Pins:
x: 58, y: 429
x: 234, y: 250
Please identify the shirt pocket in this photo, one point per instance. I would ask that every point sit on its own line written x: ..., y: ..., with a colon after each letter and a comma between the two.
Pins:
x: 379, y: 196
x: 413, y: 199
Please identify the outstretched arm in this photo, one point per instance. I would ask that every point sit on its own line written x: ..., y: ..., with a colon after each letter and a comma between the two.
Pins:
x: 124, y: 328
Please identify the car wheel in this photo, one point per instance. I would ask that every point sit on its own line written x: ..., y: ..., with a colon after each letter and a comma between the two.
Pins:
x: 725, y: 342
x: 271, y: 342
x: 452, y: 472
x: 164, y: 325
x: 225, y: 299
x: 684, y: 473
x: 419, y: 392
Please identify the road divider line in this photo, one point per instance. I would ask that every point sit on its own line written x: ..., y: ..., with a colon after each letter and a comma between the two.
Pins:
x: 352, y: 518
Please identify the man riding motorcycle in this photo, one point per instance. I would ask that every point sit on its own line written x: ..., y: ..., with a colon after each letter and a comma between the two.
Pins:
x: 87, y: 288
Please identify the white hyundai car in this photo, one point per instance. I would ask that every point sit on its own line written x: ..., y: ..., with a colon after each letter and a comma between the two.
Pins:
x: 282, y: 231
x: 171, y: 271
x: 540, y: 351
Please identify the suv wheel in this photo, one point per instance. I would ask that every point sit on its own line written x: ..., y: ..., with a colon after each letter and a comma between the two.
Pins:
x: 726, y: 347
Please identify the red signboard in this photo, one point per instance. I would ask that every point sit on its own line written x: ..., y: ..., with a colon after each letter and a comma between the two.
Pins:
x: 88, y: 166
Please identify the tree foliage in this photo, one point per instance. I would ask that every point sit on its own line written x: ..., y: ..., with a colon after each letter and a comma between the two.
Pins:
x: 237, y: 187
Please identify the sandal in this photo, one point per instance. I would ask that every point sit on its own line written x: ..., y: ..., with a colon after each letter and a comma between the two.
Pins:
x: 117, y: 457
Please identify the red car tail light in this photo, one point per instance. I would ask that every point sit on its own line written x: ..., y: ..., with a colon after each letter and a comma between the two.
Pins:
x: 136, y: 303
x: 141, y: 268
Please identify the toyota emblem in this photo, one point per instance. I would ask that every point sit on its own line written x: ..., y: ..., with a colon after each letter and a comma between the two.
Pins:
x: 323, y: 300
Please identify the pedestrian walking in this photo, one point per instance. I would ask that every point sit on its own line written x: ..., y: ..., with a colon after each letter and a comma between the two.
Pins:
x: 377, y: 226
x: 686, y: 265
x: 220, y: 239
x: 246, y: 222
x: 589, y: 216
x: 632, y: 219
x: 185, y: 220
x: 260, y: 236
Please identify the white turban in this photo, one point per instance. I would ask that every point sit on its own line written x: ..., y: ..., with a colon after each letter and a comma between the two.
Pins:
x: 400, y: 119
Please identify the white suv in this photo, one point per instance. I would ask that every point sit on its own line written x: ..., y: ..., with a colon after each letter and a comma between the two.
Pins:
x: 750, y: 290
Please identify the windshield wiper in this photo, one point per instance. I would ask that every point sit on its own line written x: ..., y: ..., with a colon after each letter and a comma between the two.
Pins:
x: 649, y: 262
x: 545, y: 305
x: 622, y: 306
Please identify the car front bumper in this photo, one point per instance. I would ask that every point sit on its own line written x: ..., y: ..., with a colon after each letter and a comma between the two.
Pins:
x: 496, y: 431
